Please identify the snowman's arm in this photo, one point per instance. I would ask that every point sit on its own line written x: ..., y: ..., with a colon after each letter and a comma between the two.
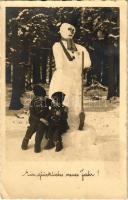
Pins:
x: 87, y: 60
x: 57, y: 52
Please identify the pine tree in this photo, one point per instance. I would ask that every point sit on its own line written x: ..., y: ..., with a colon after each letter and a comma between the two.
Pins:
x: 31, y: 33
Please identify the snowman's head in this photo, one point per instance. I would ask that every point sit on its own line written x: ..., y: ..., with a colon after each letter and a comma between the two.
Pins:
x: 67, y: 31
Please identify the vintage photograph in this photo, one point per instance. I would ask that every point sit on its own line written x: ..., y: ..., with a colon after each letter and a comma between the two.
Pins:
x: 63, y: 100
x: 62, y: 64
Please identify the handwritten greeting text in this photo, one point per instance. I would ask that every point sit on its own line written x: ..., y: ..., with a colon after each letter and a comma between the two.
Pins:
x: 82, y: 174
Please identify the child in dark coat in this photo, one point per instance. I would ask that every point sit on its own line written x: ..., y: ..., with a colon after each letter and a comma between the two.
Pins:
x: 38, y: 120
x: 58, y: 122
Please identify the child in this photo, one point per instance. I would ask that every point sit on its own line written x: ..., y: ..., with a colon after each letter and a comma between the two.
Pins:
x: 38, y: 120
x: 57, y: 123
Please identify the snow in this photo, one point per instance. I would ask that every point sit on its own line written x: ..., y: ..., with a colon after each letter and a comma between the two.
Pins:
x: 114, y: 36
x: 38, y: 16
x: 21, y: 13
x: 96, y: 148
x: 20, y: 32
x: 12, y: 49
x: 25, y: 27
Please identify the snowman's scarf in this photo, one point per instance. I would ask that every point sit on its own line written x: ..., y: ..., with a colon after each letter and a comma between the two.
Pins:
x: 70, y: 46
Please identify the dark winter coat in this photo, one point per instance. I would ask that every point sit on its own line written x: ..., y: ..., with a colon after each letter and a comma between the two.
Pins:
x: 58, y: 118
x: 39, y: 108
x: 58, y: 123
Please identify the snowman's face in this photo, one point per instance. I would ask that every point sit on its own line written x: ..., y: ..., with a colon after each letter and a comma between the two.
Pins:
x: 67, y: 31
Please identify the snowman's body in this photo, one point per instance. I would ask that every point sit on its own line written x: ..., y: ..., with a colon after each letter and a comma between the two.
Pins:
x: 67, y: 77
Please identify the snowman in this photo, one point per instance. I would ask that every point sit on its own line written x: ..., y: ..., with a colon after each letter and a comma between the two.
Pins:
x: 67, y: 76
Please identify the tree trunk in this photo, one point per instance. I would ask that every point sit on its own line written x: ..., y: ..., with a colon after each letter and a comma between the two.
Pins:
x: 8, y: 73
x: 111, y: 75
x: 44, y: 65
x: 18, y: 85
x: 50, y: 65
x: 36, y: 70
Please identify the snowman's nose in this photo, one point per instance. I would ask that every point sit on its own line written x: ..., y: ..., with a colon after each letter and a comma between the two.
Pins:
x: 71, y: 30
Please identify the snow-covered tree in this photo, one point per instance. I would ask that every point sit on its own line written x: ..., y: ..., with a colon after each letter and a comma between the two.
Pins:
x: 31, y: 32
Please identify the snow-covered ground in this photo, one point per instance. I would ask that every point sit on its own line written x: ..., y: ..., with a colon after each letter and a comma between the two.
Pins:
x: 97, y: 148
x: 98, y: 141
